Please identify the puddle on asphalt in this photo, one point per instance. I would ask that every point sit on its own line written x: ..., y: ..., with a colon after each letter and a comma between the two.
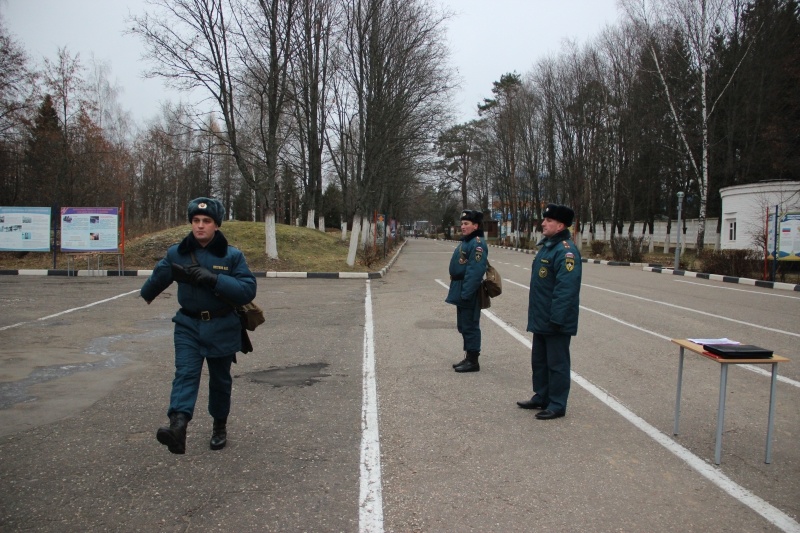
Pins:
x: 15, y: 392
x: 290, y: 376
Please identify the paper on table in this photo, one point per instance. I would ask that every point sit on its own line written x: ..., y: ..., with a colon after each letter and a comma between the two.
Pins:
x: 714, y: 341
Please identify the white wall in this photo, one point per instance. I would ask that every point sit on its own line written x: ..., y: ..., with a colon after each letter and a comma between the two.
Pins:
x: 659, y: 237
x: 746, y: 206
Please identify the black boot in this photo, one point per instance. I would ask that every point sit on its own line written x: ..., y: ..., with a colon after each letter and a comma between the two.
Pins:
x: 470, y: 364
x: 174, y: 436
x: 462, y: 361
x: 219, y: 435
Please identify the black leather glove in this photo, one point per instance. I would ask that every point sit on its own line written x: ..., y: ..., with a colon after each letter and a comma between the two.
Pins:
x: 181, y: 275
x: 555, y: 327
x: 202, y: 276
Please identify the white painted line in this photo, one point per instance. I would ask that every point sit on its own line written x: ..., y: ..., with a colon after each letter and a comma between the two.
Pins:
x: 69, y: 310
x: 793, y: 334
x: 760, y: 506
x: 756, y: 293
x: 769, y: 512
x: 370, y: 501
x: 751, y: 368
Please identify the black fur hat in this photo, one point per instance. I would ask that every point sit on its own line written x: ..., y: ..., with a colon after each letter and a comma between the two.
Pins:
x: 476, y: 217
x: 561, y: 213
x: 206, y: 206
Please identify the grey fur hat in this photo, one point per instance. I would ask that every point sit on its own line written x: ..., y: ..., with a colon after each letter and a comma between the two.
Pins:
x: 206, y: 206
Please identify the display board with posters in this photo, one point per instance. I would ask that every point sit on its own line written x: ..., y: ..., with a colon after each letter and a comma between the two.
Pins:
x: 788, y: 236
x: 89, y: 229
x: 25, y: 229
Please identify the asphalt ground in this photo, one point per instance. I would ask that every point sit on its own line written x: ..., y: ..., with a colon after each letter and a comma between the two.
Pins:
x: 86, y: 368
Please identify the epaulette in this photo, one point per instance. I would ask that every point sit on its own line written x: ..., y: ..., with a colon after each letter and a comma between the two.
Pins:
x: 566, y: 244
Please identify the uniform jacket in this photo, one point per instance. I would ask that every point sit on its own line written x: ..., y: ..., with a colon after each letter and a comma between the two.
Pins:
x: 467, y: 268
x: 219, y: 336
x: 554, y: 296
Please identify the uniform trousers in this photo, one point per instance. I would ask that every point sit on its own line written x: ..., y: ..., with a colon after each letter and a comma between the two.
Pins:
x: 550, y: 365
x: 186, y: 384
x: 468, y: 323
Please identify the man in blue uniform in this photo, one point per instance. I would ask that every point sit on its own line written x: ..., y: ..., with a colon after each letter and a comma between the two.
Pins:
x: 467, y: 268
x: 212, y: 277
x: 553, y: 313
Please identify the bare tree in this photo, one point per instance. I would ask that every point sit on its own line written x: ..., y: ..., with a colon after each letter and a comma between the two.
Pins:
x: 394, y: 69
x: 699, y: 22
x: 203, y: 44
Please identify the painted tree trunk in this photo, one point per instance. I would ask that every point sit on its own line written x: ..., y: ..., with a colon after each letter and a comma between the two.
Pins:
x: 272, y: 241
x: 351, y: 254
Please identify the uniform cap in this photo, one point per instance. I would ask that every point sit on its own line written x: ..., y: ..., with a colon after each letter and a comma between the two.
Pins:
x: 206, y: 206
x: 561, y: 213
x: 476, y: 217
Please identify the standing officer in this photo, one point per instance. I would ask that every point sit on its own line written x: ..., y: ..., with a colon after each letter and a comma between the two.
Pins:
x: 467, y: 268
x: 206, y: 328
x: 553, y: 313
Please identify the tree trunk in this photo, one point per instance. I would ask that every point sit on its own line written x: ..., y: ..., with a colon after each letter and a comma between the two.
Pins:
x: 351, y: 254
x: 272, y: 241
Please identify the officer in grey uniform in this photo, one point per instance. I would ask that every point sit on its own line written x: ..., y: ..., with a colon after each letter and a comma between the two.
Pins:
x: 553, y: 305
x: 467, y: 268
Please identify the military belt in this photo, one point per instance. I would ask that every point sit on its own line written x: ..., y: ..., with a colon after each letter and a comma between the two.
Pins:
x: 457, y: 278
x: 207, y: 315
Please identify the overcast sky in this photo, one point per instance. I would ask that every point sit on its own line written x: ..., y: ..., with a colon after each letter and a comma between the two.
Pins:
x: 488, y: 38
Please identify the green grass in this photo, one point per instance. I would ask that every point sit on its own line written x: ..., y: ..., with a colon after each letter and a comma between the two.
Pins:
x: 300, y: 249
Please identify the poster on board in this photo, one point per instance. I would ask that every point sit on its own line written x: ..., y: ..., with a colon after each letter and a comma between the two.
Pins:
x: 89, y: 229
x: 788, y: 236
x: 24, y: 229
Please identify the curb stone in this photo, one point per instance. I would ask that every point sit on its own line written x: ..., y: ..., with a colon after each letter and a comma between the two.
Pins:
x: 133, y: 273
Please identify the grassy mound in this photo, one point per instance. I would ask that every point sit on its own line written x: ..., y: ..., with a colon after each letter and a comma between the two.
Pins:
x: 299, y: 249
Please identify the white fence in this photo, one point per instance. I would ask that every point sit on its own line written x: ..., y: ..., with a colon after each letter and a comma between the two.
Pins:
x: 660, y: 238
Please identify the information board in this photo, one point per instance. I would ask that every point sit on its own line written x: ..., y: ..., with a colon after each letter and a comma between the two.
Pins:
x: 788, y: 239
x: 89, y: 229
x: 25, y: 229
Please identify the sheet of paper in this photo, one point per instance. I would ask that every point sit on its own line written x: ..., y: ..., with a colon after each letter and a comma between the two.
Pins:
x: 714, y: 341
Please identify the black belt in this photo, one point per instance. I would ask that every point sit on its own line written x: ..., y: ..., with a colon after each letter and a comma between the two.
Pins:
x: 207, y: 315
x: 457, y: 278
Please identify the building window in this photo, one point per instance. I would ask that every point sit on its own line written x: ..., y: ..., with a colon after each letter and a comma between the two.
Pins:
x: 731, y: 230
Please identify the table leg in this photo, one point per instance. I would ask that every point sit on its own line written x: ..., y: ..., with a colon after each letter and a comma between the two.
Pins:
x: 723, y: 385
x: 770, y: 423
x: 678, y: 394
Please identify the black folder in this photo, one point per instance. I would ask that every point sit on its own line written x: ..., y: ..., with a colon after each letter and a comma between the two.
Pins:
x: 738, y: 351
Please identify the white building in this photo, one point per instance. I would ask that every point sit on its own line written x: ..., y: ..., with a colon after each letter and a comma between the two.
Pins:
x: 745, y: 209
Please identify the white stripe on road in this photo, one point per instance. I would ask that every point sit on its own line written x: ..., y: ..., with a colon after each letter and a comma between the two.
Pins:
x: 752, y: 368
x: 693, y: 310
x: 759, y: 293
x: 69, y: 310
x: 769, y: 512
x: 370, y: 501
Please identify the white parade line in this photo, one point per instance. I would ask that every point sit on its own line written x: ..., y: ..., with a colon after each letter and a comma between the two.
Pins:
x: 370, y: 501
x: 69, y: 310
x: 769, y: 512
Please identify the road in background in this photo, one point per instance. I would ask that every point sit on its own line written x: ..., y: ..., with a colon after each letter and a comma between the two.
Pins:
x: 85, y: 390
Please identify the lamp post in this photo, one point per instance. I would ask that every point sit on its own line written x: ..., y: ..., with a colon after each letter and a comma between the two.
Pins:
x: 678, y: 244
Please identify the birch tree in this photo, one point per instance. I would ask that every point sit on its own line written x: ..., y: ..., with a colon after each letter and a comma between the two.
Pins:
x: 699, y: 22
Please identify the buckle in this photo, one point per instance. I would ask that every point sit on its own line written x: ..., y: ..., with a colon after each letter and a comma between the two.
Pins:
x: 205, y: 315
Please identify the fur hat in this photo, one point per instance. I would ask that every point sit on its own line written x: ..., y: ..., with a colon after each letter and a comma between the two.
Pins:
x: 476, y: 217
x: 206, y: 206
x: 561, y: 213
